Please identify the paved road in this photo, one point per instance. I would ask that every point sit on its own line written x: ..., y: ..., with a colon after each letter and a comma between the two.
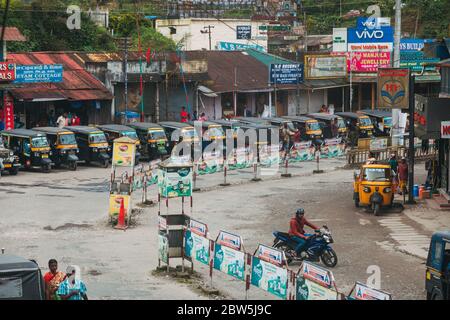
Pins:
x: 63, y: 214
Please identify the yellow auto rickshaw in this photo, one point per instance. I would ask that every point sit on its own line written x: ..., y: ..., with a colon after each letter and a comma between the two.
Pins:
x: 374, y: 187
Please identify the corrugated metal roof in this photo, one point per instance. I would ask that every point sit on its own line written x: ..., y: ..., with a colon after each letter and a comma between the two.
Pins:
x: 13, y: 34
x: 267, y: 58
x: 77, y: 84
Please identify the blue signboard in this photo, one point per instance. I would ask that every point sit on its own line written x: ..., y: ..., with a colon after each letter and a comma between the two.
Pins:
x: 39, y: 73
x: 231, y: 46
x: 243, y: 32
x: 368, y: 35
x: 373, y: 22
x: 411, y: 44
x: 286, y: 73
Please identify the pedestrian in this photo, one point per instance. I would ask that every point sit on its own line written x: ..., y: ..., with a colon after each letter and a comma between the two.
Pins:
x: 286, y: 135
x: 75, y: 120
x: 184, y: 116
x: 203, y: 117
x: 53, y: 279
x: 195, y: 116
x: 247, y: 112
x: 393, y: 163
x: 323, y: 109
x: 403, y: 175
x: 72, y: 288
x: 62, y: 120
x: 334, y: 128
x: 425, y: 145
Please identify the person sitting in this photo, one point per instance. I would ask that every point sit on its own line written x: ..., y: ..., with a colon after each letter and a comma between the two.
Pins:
x: 296, y: 229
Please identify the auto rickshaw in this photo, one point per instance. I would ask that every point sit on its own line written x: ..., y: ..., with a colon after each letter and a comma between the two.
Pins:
x: 210, y: 132
x: 63, y: 145
x: 252, y: 120
x: 114, y: 131
x: 182, y: 132
x: 359, y: 121
x: 92, y: 144
x: 232, y: 125
x: 309, y: 128
x: 155, y: 144
x: 30, y: 146
x: 382, y: 121
x: 8, y: 161
x: 325, y: 120
x: 261, y: 139
x: 374, y: 187
x: 437, y: 275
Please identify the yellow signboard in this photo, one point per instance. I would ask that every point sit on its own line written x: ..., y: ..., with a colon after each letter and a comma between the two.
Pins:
x: 115, y: 201
x: 124, y: 151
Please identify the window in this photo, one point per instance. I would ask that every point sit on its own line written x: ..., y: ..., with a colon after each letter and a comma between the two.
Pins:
x: 67, y: 139
x: 39, y: 142
x: 10, y: 288
x: 377, y: 174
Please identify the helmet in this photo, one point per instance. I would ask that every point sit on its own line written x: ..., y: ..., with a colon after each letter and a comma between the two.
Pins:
x: 300, y: 212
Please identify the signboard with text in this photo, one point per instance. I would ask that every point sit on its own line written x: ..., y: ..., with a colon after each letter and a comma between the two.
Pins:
x: 368, y: 61
x: 339, y: 39
x: 229, y: 261
x: 243, y: 32
x: 231, y: 46
x: 36, y: 73
x: 445, y: 129
x: 363, y: 292
x: 8, y: 109
x: 324, y: 66
x: 7, y: 71
x: 289, y: 73
x: 393, y: 88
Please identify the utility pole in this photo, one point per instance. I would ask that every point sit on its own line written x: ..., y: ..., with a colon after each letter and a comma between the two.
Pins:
x: 395, y: 132
x: 209, y: 27
x: 125, y: 44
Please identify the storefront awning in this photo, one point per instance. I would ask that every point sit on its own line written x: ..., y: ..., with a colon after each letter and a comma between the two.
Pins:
x: 425, y: 78
x: 207, y: 91
x: 321, y: 84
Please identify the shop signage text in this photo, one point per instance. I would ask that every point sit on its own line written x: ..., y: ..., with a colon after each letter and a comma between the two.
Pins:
x: 39, y: 73
x: 286, y: 73
x: 7, y: 71
x: 445, y: 129
x: 393, y: 88
x: 243, y: 32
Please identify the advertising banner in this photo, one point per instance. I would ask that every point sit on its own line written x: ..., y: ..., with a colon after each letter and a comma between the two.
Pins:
x: 445, y: 129
x: 325, y: 66
x: 270, y: 254
x: 269, y: 155
x: 393, y: 88
x: 163, y: 247
x: 370, y: 47
x: 412, y: 44
x: 115, y: 201
x: 212, y: 162
x: 317, y: 274
x: 372, y: 22
x: 175, y: 182
x: 368, y: 61
x: 367, y: 34
x: 196, y: 247
x: 378, y: 144
x: 229, y: 240
x: 289, y: 73
x: 243, y: 32
x: 241, y: 159
x: 309, y: 290
x: 8, y: 110
x: 339, y: 39
x: 7, y: 71
x: 302, y: 151
x: 229, y: 261
x: 363, y: 292
x: 162, y: 223
x: 198, y: 227
x: 333, y: 148
x: 123, y: 152
x: 269, y: 277
x: 39, y: 73
x: 232, y: 46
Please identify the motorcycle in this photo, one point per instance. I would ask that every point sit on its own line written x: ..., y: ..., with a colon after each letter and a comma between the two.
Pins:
x: 317, y: 247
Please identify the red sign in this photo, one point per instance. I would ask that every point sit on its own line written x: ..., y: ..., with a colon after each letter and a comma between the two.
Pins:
x: 445, y: 129
x: 8, y: 109
x: 7, y: 71
x: 367, y: 61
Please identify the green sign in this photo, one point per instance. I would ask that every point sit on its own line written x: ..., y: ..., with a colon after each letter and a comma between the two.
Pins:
x: 275, y: 28
x: 229, y: 261
x: 196, y: 247
x: 269, y: 277
x: 163, y: 247
x: 175, y: 182
x: 309, y: 290
x: 417, y: 65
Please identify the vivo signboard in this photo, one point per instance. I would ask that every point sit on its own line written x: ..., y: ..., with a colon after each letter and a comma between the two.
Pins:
x: 363, y: 22
x: 370, y: 35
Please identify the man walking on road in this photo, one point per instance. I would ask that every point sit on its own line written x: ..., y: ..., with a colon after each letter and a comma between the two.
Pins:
x: 403, y: 175
x: 72, y: 288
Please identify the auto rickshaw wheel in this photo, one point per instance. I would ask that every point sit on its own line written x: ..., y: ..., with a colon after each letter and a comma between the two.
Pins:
x: 46, y: 168
x: 356, y: 203
x: 376, y: 209
x: 105, y: 163
x: 73, y: 165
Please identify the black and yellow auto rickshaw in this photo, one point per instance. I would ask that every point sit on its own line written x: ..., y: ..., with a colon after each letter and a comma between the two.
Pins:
x: 231, y: 125
x: 211, y: 132
x: 253, y: 120
x: 437, y: 275
x: 358, y: 121
x: 114, y: 131
x: 374, y: 187
x: 381, y: 120
x: 92, y: 144
x: 325, y: 120
x: 155, y: 144
x: 8, y: 161
x: 177, y: 132
x: 309, y: 128
x: 30, y: 146
x: 256, y: 135
x: 63, y: 145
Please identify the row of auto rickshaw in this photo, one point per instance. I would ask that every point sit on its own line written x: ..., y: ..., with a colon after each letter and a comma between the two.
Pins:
x: 45, y: 147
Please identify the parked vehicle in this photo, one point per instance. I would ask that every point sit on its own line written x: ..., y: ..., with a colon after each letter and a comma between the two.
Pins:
x: 309, y: 129
x: 382, y: 121
x: 92, y: 144
x: 253, y: 120
x: 211, y: 132
x: 318, y: 246
x: 63, y: 146
x: 154, y: 142
x: 260, y: 133
x: 325, y: 120
x: 359, y: 121
x: 374, y: 187
x: 233, y: 125
x: 31, y: 147
x: 181, y: 132
x: 20, y: 279
x: 114, y: 131
x: 437, y: 275
x: 8, y: 161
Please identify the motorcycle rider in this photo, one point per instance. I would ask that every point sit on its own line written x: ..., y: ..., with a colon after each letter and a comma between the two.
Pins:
x: 296, y: 229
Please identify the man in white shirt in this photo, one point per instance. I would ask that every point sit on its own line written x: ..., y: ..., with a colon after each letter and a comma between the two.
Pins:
x: 62, y: 120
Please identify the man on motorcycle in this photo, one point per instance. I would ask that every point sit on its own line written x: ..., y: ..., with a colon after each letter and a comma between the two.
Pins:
x: 296, y: 231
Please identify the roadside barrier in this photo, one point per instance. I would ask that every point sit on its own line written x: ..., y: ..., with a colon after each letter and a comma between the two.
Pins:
x: 265, y: 269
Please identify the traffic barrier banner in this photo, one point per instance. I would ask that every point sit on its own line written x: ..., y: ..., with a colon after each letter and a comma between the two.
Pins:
x: 269, y: 277
x: 196, y: 247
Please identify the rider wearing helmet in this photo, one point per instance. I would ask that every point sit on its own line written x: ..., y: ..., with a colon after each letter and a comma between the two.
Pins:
x: 296, y: 231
